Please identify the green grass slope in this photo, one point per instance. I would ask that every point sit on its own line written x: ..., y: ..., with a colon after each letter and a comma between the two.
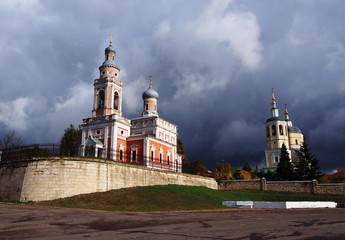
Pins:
x: 175, y: 197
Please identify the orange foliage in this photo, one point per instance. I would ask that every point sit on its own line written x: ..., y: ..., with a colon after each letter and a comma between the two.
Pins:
x: 245, y: 175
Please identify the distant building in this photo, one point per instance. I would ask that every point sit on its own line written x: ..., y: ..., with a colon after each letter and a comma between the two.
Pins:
x: 147, y: 140
x: 280, y: 131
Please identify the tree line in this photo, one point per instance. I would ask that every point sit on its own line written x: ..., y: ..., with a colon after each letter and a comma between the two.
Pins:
x: 306, y: 168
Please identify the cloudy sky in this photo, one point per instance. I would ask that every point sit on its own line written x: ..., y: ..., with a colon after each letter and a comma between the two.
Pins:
x: 213, y: 63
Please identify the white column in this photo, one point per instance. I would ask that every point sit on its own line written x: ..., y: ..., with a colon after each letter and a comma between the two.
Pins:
x: 105, y: 148
x: 105, y: 99
x: 113, y: 142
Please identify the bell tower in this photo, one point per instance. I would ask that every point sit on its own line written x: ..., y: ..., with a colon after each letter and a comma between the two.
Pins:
x: 276, y: 135
x: 108, y: 88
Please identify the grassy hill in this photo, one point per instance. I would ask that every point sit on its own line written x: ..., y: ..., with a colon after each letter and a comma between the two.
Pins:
x: 175, y: 197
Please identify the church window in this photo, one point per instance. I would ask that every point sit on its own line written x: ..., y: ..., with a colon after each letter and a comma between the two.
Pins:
x: 103, y: 73
x: 113, y: 58
x: 101, y: 99
x: 115, y: 74
x: 267, y: 131
x: 146, y: 107
x: 116, y: 101
x: 274, y: 130
x: 296, y: 141
x: 121, y: 155
x: 281, y: 131
x: 276, y: 159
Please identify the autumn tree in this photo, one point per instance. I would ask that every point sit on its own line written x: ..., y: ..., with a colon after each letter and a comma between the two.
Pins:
x: 222, y: 171
x: 70, y: 141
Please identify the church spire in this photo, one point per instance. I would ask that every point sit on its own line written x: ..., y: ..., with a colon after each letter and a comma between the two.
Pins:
x: 110, y: 39
x: 287, y: 119
x: 150, y: 85
x: 286, y: 113
x: 275, y: 112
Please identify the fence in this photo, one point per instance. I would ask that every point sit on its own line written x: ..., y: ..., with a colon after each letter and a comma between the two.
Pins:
x: 27, y: 152
x: 36, y: 151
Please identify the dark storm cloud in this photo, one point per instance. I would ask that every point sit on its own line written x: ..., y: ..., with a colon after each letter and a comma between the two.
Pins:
x: 213, y: 63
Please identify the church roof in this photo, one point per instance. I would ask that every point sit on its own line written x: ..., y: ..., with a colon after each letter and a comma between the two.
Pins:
x: 294, y: 129
x: 273, y: 119
x: 109, y: 63
x: 93, y: 141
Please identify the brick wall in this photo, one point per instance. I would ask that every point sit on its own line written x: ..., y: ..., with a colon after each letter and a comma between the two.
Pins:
x: 53, y: 178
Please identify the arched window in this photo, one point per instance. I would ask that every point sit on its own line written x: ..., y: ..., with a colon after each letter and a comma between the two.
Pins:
x: 100, y: 99
x: 274, y: 130
x: 116, y: 101
x: 281, y: 130
x: 267, y: 131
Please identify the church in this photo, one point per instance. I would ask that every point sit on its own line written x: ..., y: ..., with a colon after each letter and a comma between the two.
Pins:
x: 280, y: 131
x: 147, y: 140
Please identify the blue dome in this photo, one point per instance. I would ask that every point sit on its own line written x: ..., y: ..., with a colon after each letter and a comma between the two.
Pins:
x: 109, y: 63
x: 150, y: 93
x: 110, y: 49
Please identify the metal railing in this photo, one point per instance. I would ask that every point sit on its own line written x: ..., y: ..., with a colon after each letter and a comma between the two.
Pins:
x: 37, y: 151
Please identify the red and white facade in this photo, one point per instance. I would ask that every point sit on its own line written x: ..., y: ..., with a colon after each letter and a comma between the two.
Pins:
x: 147, y: 140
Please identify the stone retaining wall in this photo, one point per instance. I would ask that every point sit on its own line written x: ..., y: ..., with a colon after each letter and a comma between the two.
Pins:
x: 48, y: 179
x: 282, y: 186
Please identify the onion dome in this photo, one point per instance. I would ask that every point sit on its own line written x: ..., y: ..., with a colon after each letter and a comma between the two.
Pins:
x: 110, y: 49
x: 150, y: 93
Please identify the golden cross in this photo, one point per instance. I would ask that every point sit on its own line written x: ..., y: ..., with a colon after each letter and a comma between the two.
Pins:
x: 150, y: 81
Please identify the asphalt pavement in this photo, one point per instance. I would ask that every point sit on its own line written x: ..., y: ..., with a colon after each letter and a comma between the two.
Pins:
x: 23, y: 221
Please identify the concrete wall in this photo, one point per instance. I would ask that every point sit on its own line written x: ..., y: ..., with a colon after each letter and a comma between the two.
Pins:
x: 53, y: 178
x: 283, y: 186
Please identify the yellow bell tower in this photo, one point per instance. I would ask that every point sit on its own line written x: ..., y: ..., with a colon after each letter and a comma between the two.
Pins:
x: 276, y: 135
